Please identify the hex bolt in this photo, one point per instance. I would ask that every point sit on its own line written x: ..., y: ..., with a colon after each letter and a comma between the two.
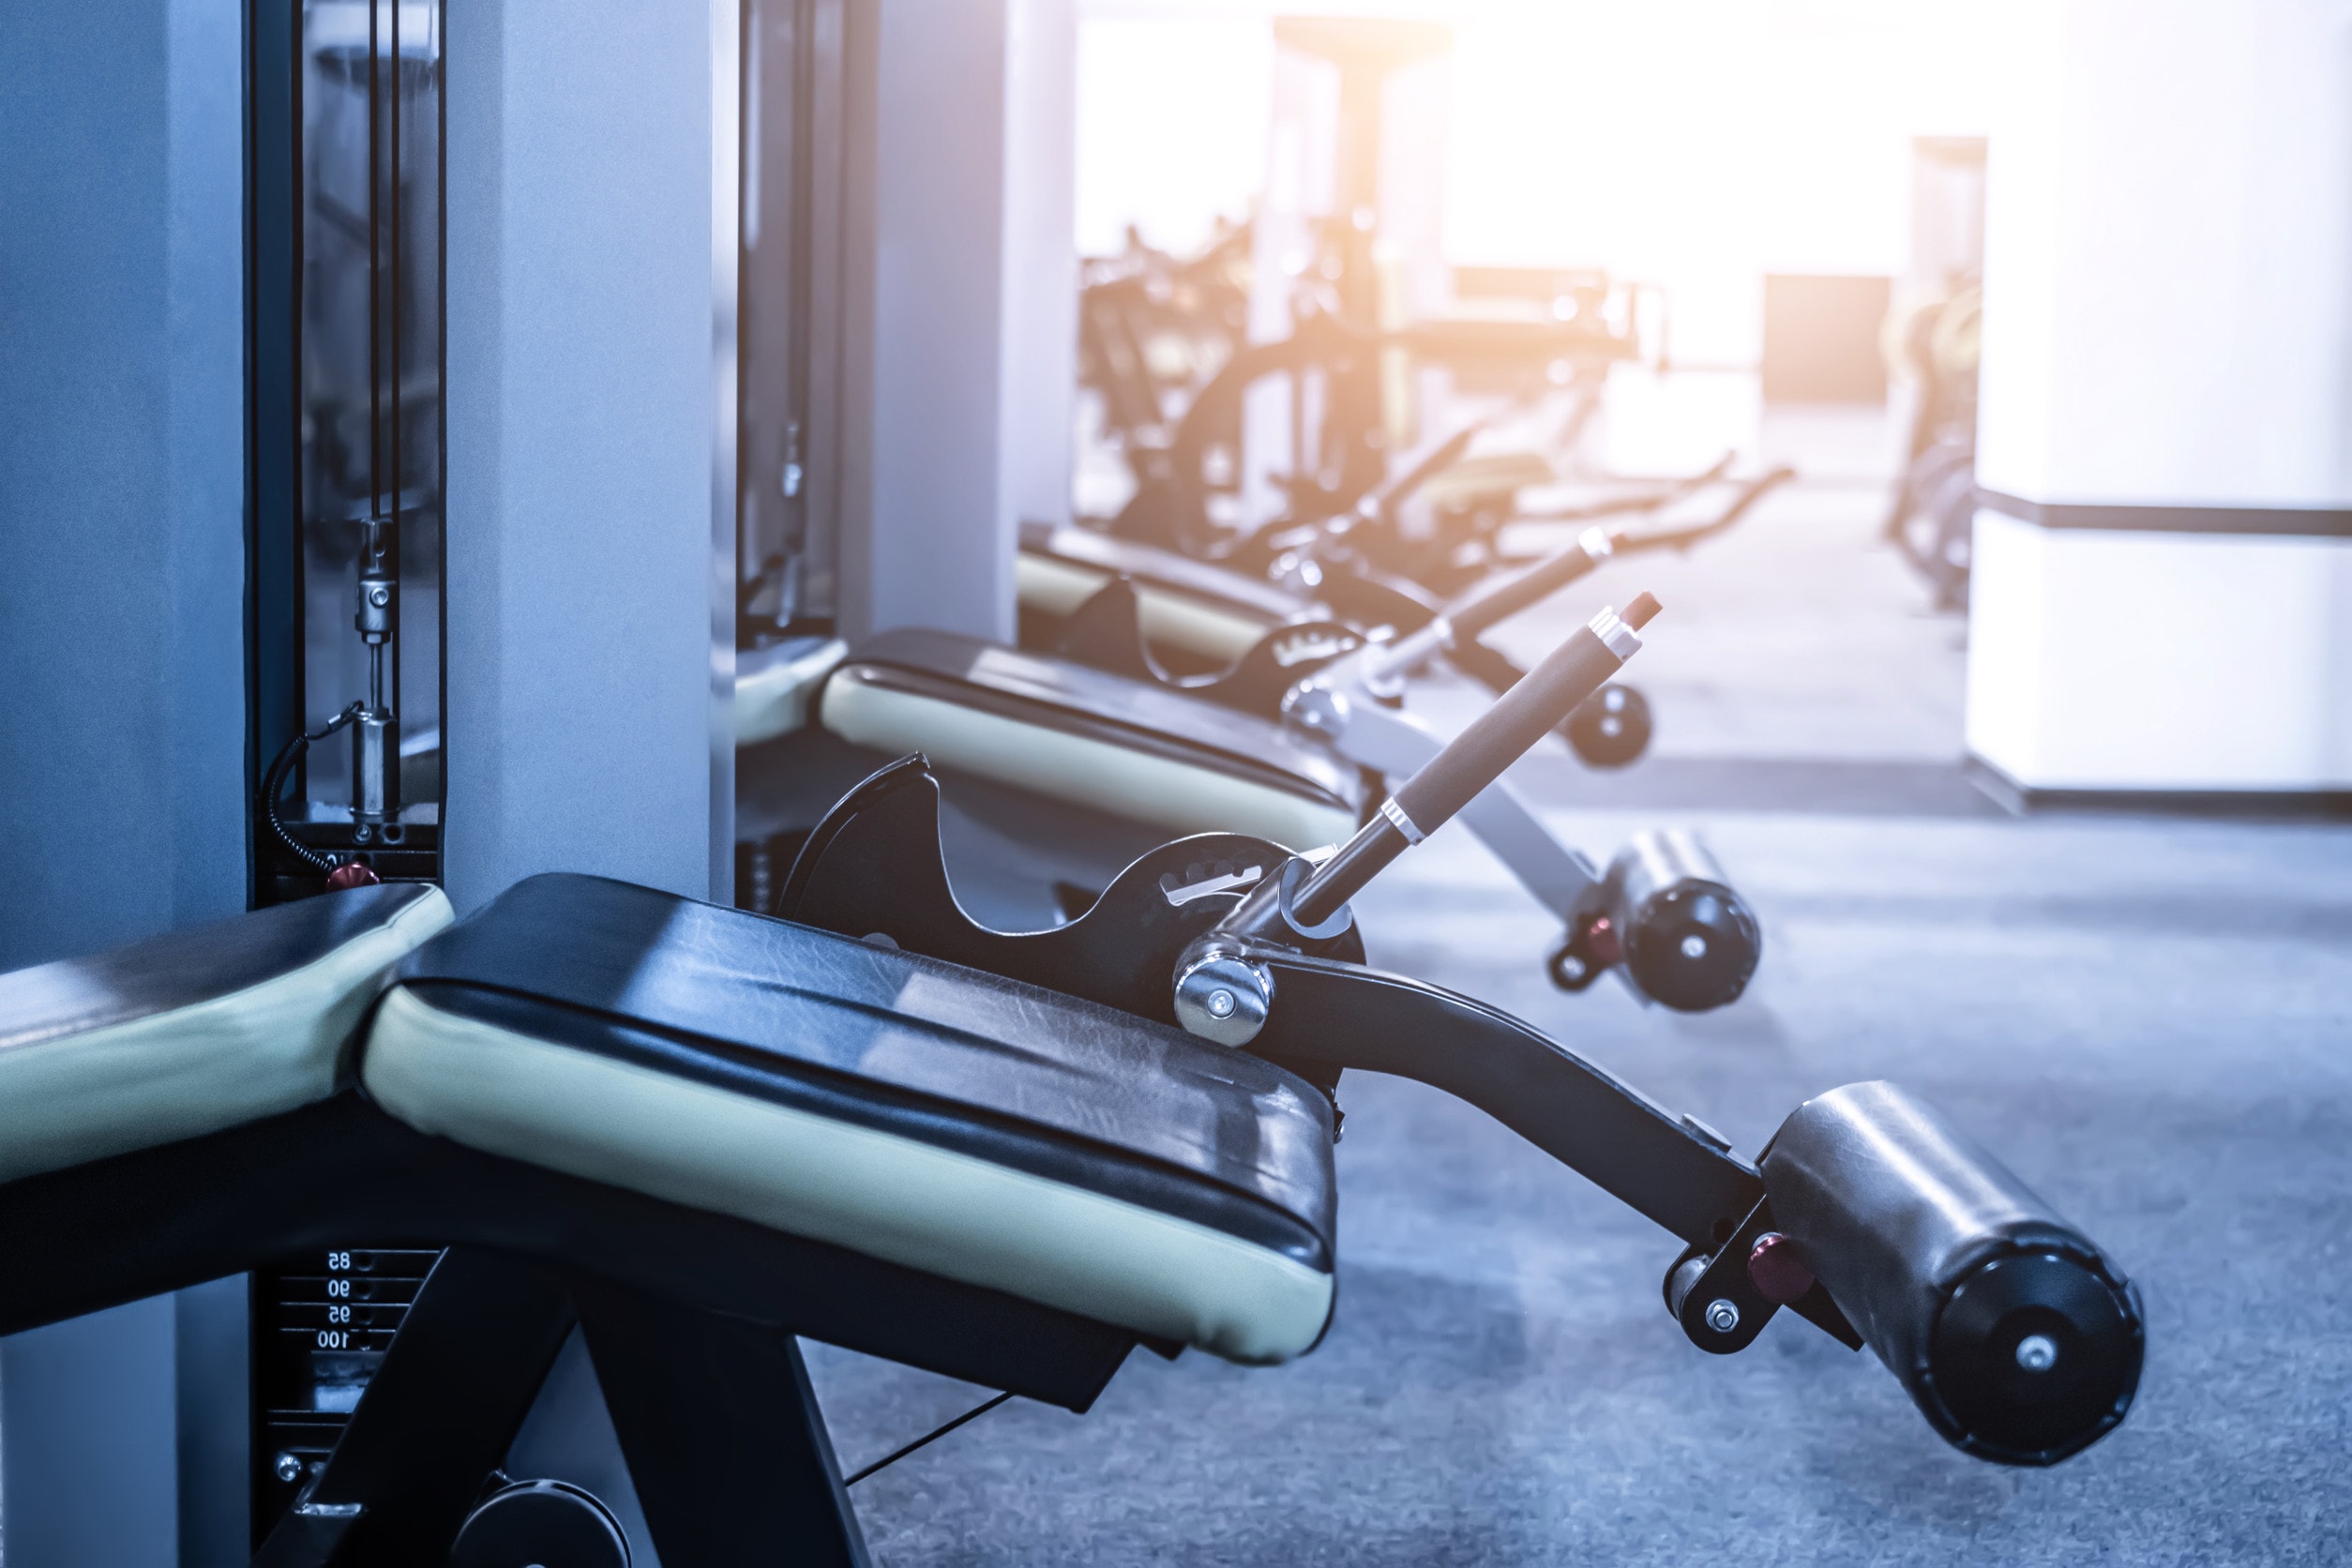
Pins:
x: 1722, y: 1316
x: 2037, y: 1353
x: 1223, y: 997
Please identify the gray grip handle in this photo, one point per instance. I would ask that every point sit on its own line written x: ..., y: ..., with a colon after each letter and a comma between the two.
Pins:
x: 1521, y: 716
x: 1498, y: 601
x: 1499, y: 737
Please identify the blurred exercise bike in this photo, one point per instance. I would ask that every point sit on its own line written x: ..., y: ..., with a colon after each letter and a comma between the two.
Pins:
x: 1933, y: 516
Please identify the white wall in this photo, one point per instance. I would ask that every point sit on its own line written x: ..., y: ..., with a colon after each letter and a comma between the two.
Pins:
x: 2169, y: 337
x: 2168, y: 304
x: 1700, y: 143
x: 2104, y: 660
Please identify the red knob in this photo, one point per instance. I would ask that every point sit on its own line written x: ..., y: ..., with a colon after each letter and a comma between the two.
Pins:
x: 1778, y: 1274
x: 351, y: 875
x: 1602, y: 939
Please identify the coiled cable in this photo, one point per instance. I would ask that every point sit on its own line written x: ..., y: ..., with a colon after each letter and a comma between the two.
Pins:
x: 275, y: 780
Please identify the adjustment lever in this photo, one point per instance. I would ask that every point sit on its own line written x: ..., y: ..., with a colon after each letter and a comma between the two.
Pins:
x: 1222, y: 995
x: 1488, y: 604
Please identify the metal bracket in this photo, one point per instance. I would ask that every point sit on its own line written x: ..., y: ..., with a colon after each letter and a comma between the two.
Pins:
x: 1714, y: 1295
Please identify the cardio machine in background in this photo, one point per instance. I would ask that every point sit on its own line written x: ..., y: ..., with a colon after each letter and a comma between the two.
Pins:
x: 1932, y: 519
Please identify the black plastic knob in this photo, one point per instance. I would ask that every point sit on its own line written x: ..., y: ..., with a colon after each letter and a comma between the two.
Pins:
x: 1611, y: 727
x: 1691, y: 945
x: 2034, y: 1352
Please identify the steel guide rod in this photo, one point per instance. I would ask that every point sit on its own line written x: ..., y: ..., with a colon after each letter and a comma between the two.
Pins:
x: 375, y: 731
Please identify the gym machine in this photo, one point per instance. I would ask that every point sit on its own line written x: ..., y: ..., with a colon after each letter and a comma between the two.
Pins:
x: 1931, y: 343
x: 1325, y: 681
x: 347, y: 429
x: 1287, y: 744
x: 1932, y: 519
x: 1353, y: 339
x: 676, y: 1127
x: 347, y: 436
x: 1152, y: 328
x: 1370, y: 548
x: 1139, y: 611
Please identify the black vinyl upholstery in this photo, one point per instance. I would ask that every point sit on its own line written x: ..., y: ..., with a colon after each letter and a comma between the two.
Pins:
x: 638, y: 1012
x: 1223, y: 770
x: 197, y: 1030
x: 181, y: 969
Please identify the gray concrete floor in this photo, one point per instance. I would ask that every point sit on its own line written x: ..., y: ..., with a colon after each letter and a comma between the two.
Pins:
x: 2150, y: 1020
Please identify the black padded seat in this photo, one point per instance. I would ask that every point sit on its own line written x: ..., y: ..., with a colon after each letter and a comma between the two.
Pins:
x: 934, y: 1117
x: 195, y: 1031
x: 1061, y: 730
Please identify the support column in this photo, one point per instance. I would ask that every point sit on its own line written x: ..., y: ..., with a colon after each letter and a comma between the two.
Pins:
x: 121, y: 627
x: 590, y: 149
x: 122, y: 473
x: 962, y: 298
x: 2162, y: 594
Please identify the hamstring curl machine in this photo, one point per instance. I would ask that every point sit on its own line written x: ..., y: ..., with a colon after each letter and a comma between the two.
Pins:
x: 1663, y: 913
x: 699, y: 1134
x: 1110, y: 629
x: 1869, y: 1214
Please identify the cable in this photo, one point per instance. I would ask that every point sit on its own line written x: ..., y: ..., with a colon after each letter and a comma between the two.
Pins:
x: 931, y: 1436
x: 275, y: 780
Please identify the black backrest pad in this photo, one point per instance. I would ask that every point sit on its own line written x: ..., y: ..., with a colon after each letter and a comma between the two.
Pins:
x: 1065, y: 695
x: 180, y: 969
x: 1025, y: 1078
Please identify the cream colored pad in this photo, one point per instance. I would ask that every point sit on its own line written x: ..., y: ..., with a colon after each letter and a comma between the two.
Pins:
x: 896, y: 1199
x: 1124, y: 781
x: 1169, y: 617
x: 70, y: 1099
x: 773, y: 691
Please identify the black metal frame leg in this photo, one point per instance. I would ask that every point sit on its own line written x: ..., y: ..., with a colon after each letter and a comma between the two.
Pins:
x: 437, y: 1418
x: 722, y: 1434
